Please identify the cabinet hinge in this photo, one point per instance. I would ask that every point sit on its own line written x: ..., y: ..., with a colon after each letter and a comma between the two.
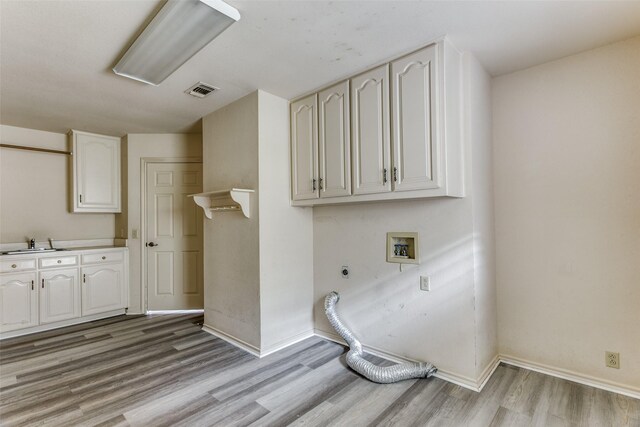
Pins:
x: 80, y: 198
x: 384, y: 175
x: 395, y: 174
x: 84, y: 278
x: 42, y: 283
x: 320, y: 183
x: 32, y: 285
x: 313, y: 184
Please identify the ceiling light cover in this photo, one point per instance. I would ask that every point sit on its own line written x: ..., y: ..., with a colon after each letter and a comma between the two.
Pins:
x: 179, y: 30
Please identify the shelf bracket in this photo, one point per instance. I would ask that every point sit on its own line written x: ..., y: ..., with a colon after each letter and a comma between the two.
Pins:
x: 234, y: 199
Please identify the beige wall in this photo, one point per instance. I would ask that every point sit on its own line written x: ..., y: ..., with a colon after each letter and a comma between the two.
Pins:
x: 567, y: 198
x: 135, y: 148
x: 384, y: 306
x: 286, y: 235
x: 231, y: 241
x: 258, y: 271
x: 478, y: 125
x: 34, y: 192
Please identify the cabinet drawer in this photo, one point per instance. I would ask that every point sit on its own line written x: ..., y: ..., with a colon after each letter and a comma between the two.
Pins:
x: 59, y: 261
x: 15, y: 265
x: 102, y: 257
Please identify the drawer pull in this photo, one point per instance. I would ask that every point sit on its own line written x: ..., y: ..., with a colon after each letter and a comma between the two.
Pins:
x: 104, y: 257
x: 59, y: 261
x: 14, y: 265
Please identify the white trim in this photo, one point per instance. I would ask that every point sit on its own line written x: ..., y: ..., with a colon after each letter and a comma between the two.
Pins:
x: 62, y: 324
x: 566, y: 374
x: 282, y: 344
x: 249, y: 348
x: 451, y: 377
x: 488, y: 372
x: 197, y: 310
x: 462, y: 381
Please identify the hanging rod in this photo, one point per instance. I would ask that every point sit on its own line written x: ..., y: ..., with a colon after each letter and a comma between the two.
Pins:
x: 42, y: 150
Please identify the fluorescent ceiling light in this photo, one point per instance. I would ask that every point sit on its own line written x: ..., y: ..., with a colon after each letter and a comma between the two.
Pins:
x: 179, y: 30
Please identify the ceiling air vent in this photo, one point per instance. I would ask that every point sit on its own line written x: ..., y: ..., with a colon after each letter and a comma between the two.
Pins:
x: 200, y: 90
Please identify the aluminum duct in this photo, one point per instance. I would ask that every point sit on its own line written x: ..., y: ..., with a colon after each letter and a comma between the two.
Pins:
x: 378, y: 374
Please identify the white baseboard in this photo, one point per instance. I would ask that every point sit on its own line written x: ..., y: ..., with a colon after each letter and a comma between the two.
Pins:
x: 249, y: 348
x: 488, y: 372
x: 451, y: 377
x: 573, y: 376
x: 286, y: 342
x: 61, y: 324
x: 463, y: 381
x: 191, y: 311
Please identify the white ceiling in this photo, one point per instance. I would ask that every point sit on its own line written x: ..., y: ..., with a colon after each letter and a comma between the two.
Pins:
x: 56, y: 55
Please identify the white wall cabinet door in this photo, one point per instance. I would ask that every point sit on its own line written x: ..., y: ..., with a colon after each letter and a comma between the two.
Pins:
x: 370, y: 130
x: 414, y: 136
x: 96, y: 173
x: 334, y: 141
x: 18, y: 301
x: 103, y: 288
x: 59, y: 295
x: 304, y: 148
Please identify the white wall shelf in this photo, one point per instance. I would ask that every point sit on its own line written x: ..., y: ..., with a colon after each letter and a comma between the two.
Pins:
x: 235, y: 199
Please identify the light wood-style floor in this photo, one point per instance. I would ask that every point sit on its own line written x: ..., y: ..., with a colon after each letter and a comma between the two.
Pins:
x: 163, y: 370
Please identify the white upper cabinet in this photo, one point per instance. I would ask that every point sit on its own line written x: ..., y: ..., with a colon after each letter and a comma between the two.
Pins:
x: 416, y: 148
x: 334, y: 141
x: 406, y: 127
x: 370, y: 129
x: 304, y: 148
x: 96, y: 172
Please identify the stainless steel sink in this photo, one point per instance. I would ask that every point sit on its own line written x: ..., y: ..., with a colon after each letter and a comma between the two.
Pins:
x: 31, y: 251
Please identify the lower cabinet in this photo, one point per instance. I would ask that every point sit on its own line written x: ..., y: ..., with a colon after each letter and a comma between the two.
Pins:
x: 18, y: 301
x: 59, y: 295
x: 103, y: 288
x: 60, y: 289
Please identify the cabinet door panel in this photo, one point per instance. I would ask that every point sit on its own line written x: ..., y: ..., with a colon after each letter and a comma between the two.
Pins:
x: 59, y: 295
x: 103, y: 288
x: 415, y: 141
x: 18, y: 301
x: 304, y: 148
x: 370, y: 129
x: 334, y: 141
x: 96, y: 160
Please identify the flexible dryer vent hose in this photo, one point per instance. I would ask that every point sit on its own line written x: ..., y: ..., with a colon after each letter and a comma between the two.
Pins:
x: 378, y: 374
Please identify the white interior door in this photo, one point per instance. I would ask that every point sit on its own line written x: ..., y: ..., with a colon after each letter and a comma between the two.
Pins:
x: 173, y: 237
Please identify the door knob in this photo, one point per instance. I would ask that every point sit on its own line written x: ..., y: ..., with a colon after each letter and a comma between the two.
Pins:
x: 151, y: 244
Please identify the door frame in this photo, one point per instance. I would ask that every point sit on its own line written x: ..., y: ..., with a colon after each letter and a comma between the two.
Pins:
x: 142, y: 233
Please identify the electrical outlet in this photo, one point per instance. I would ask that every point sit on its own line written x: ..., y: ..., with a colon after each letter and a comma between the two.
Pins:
x: 612, y: 359
x: 425, y: 283
x: 344, y: 271
x: 134, y: 233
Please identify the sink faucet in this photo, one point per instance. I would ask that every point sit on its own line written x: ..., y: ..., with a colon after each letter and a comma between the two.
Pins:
x: 32, y: 243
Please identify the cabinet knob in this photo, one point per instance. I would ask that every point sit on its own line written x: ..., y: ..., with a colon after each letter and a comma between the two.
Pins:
x: 104, y: 257
x: 59, y: 261
x: 14, y: 265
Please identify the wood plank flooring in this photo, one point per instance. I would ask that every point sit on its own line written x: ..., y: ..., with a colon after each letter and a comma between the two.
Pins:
x: 164, y: 371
